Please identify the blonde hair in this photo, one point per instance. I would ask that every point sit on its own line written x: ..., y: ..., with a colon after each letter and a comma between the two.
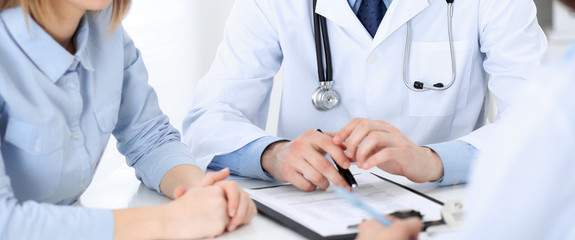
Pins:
x: 38, y: 8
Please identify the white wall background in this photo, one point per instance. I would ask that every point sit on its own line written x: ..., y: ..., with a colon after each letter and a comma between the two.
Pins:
x: 178, y: 40
x: 561, y: 34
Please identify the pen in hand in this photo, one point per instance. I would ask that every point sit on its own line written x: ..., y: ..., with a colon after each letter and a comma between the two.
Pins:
x: 345, y: 173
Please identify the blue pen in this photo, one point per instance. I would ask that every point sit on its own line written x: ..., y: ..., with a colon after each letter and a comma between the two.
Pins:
x: 358, y: 203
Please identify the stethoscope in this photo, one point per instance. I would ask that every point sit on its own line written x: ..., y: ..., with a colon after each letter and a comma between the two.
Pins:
x: 325, y: 97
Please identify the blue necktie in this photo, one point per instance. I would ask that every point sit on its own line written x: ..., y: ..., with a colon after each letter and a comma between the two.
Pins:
x: 370, y: 14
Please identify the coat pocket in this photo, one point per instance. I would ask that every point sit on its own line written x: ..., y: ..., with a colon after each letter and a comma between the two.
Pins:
x: 107, y: 114
x: 33, y: 154
x: 430, y: 63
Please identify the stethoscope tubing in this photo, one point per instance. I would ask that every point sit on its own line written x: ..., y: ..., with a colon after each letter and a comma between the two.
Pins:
x: 325, y: 98
x: 320, y: 27
x: 407, y: 55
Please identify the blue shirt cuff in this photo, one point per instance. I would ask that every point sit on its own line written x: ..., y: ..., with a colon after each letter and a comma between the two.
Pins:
x: 103, y: 225
x: 151, y: 169
x: 457, y: 157
x: 246, y: 161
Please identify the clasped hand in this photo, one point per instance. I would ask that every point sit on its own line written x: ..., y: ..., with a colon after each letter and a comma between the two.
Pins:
x: 370, y: 143
x: 211, y: 208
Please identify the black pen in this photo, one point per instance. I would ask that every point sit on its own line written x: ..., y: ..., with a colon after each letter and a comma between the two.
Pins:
x: 345, y: 173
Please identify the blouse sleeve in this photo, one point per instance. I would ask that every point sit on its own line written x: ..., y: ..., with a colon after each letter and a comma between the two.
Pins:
x: 145, y: 136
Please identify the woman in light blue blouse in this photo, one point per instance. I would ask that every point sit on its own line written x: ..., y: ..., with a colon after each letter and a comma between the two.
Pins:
x: 69, y: 78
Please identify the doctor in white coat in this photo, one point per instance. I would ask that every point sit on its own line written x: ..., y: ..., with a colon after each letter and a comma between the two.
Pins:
x: 530, y: 193
x: 424, y: 135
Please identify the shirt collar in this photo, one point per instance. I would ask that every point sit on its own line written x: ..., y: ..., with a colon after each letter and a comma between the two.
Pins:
x: 354, y: 4
x: 82, y: 40
x: 49, y: 56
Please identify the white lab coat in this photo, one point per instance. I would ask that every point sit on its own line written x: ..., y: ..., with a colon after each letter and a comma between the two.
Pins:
x: 496, y: 38
x: 523, y: 186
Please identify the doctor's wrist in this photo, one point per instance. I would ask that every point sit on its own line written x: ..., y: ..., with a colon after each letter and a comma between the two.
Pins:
x: 437, y: 170
x: 269, y: 155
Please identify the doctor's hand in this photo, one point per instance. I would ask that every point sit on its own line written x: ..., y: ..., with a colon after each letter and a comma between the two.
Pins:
x: 400, y: 229
x: 302, y: 162
x: 378, y: 143
x: 240, y: 207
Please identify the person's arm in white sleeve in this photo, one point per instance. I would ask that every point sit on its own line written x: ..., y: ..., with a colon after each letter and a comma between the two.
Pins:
x: 514, y: 45
x: 231, y: 102
x: 524, y: 179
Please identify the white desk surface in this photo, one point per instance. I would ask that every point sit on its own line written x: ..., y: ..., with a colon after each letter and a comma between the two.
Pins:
x: 121, y: 189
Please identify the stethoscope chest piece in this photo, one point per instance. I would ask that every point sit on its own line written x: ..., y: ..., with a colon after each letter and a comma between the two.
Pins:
x: 324, y: 97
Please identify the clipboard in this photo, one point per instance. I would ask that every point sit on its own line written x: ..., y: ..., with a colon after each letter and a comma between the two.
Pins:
x: 280, y: 211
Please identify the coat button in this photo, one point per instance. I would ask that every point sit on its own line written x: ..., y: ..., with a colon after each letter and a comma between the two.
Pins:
x: 372, y: 58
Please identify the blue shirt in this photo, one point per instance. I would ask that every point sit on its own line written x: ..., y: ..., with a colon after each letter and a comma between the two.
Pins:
x: 456, y: 156
x: 354, y: 4
x: 57, y: 113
